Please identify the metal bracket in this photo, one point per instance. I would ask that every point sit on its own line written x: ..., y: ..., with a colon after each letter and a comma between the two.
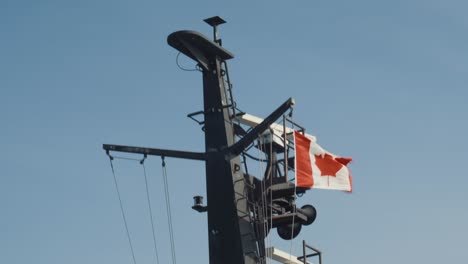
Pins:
x: 109, y: 155
x: 239, y: 147
x: 191, y: 116
x: 143, y: 159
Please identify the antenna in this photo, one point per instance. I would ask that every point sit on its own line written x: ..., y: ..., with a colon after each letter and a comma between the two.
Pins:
x: 215, y: 22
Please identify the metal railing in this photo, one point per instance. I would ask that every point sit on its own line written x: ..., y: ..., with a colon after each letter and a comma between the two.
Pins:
x: 305, y: 255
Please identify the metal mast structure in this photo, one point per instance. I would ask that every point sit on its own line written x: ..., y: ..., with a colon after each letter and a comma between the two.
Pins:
x: 235, y: 217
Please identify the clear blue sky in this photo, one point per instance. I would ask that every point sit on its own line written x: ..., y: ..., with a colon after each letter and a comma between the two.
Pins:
x: 382, y: 81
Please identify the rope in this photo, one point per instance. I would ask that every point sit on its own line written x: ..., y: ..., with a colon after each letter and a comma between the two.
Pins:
x: 168, y: 210
x: 150, y: 210
x: 122, y: 210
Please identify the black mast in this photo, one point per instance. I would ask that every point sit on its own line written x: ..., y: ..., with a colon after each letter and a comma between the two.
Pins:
x: 234, y: 216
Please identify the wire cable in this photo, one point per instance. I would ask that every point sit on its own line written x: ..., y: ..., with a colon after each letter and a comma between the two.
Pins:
x: 271, y: 184
x: 122, y: 211
x: 150, y: 212
x: 264, y: 206
x: 168, y: 210
x: 295, y: 194
x: 292, y: 226
x: 182, y: 68
x: 254, y: 158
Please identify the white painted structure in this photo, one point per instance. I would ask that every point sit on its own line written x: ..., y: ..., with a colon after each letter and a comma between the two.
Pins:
x: 278, y: 129
x: 283, y: 257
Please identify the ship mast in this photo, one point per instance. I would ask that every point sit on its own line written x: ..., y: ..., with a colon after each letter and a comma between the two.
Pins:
x: 233, y: 200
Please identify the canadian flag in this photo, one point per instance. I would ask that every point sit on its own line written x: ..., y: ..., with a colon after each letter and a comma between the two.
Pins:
x: 318, y: 168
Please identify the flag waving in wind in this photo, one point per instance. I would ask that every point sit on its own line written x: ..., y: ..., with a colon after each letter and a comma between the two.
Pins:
x: 318, y: 168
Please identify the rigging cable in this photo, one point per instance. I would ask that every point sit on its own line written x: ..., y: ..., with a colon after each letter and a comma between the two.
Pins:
x: 292, y: 226
x: 271, y: 184
x: 295, y: 194
x: 264, y: 207
x: 142, y: 162
x: 254, y: 158
x: 121, y: 208
x: 168, y: 210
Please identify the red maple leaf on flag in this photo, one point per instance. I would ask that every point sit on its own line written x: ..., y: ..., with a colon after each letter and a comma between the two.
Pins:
x: 328, y: 165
